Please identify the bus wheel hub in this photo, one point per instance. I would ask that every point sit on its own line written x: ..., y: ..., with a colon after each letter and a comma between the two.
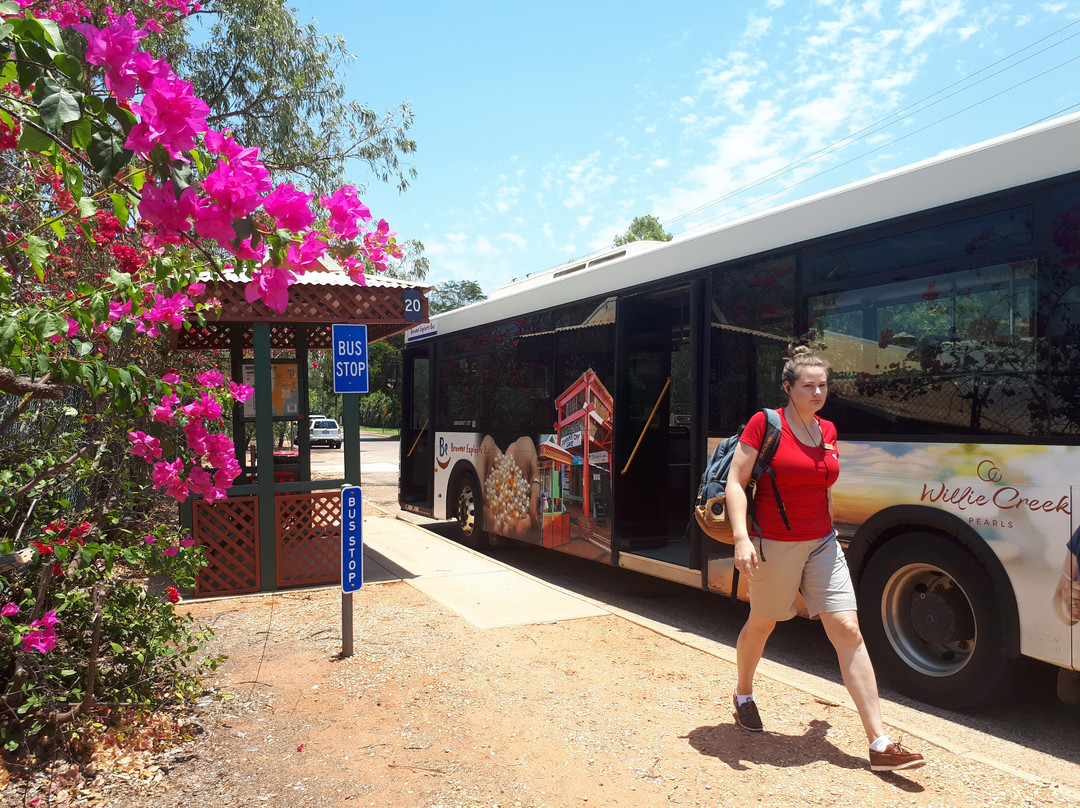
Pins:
x: 942, y: 616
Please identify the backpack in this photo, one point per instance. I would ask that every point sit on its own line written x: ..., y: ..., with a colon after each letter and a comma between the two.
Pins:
x: 710, y: 507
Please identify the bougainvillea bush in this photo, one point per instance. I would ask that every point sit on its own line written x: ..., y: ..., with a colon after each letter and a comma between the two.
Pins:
x: 117, y: 204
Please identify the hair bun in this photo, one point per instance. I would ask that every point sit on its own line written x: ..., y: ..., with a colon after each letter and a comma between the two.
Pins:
x: 800, y: 350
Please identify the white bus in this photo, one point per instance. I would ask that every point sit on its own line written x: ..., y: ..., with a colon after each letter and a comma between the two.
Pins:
x: 575, y: 409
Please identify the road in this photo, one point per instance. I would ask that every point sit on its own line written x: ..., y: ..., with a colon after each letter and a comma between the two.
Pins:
x: 1034, y: 733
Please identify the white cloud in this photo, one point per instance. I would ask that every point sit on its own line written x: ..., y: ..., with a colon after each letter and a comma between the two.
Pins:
x: 757, y: 27
x: 519, y: 242
x: 585, y: 179
x: 584, y: 220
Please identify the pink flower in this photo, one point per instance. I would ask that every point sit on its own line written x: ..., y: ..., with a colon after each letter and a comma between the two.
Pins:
x: 199, y: 481
x: 118, y: 310
x: 235, y: 185
x: 170, y: 551
x: 42, y: 640
x: 172, y: 117
x: 345, y: 209
x: 173, y: 594
x: 9, y: 610
x: 163, y: 412
x: 210, y: 378
x: 48, y: 620
x: 306, y: 254
x: 145, y: 446
x: 196, y: 289
x: 241, y: 392
x: 169, y: 310
x: 170, y: 214
x: 290, y: 207
x: 271, y: 285
x: 167, y: 476
x: 113, y: 47
x: 214, y: 221
x: 187, y: 541
x: 172, y: 377
x: 149, y: 538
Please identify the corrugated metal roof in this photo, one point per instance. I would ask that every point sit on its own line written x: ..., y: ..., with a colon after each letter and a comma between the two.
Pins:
x: 333, y: 274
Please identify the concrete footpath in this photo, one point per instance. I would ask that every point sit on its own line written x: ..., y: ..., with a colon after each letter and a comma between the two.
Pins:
x: 490, y: 594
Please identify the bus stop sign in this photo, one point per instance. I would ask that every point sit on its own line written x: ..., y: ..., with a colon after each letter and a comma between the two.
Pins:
x: 350, y: 358
x: 352, y: 540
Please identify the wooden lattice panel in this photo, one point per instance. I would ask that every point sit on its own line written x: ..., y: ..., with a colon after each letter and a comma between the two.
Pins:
x: 308, y: 538
x: 228, y: 532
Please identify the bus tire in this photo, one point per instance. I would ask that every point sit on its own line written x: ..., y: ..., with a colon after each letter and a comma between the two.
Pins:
x: 934, y: 623
x: 468, y: 499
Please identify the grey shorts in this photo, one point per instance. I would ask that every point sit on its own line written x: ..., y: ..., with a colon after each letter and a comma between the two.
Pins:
x: 815, y: 568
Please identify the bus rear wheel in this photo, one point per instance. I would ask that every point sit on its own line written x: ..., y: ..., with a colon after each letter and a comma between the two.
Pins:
x: 934, y: 623
x: 468, y: 502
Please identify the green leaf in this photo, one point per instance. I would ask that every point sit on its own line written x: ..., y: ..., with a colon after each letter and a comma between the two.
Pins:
x: 69, y: 66
x: 180, y: 174
x: 87, y: 207
x: 81, y: 133
x: 122, y: 282
x: 55, y: 325
x: 124, y: 117
x: 9, y: 333
x: 120, y: 208
x: 9, y: 7
x: 99, y: 307
x: 107, y: 154
x: 52, y: 31
x: 30, y: 57
x: 117, y: 648
x: 37, y: 250
x: 56, y: 104
x: 73, y: 179
x: 58, y: 227
x: 34, y: 140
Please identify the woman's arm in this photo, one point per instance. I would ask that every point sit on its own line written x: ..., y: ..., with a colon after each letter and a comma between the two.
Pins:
x: 742, y: 466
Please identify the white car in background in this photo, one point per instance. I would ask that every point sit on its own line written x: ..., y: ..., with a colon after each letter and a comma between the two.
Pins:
x: 325, y: 431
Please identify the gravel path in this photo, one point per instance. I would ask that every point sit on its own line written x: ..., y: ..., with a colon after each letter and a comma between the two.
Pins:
x: 433, y: 712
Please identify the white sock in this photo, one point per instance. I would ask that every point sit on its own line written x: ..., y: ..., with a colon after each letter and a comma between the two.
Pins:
x: 881, y: 743
x: 741, y: 700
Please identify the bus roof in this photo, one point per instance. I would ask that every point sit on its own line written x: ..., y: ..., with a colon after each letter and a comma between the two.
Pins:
x: 1028, y: 155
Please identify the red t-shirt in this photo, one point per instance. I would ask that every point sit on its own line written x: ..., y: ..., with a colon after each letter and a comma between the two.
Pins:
x: 803, y: 476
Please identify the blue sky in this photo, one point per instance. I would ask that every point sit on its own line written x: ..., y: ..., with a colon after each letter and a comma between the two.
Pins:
x: 545, y: 128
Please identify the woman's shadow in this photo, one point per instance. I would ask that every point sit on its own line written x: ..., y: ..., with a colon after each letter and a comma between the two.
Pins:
x: 737, y: 748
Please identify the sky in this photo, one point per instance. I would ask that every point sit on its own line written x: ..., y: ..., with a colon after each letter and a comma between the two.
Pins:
x: 543, y: 129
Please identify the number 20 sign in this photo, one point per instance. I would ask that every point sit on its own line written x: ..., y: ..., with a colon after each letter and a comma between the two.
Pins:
x: 414, y: 306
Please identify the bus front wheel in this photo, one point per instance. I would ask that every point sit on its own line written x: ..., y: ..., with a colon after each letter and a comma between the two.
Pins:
x: 469, y: 511
x: 934, y: 623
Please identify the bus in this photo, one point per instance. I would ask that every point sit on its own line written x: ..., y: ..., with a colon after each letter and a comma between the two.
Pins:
x: 575, y: 408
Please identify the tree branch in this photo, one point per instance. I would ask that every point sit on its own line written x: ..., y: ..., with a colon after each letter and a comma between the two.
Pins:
x: 25, y: 386
x: 54, y: 470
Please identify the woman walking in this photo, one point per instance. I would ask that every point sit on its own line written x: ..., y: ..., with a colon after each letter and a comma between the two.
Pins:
x: 806, y: 558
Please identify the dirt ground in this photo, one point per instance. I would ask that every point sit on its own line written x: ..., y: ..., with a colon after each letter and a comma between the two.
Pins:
x: 433, y: 712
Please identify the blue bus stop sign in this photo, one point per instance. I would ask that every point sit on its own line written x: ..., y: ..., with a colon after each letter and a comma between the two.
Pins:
x: 352, y: 540
x: 350, y: 358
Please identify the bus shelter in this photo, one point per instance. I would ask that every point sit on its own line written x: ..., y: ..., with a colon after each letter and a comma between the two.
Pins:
x: 278, y: 527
